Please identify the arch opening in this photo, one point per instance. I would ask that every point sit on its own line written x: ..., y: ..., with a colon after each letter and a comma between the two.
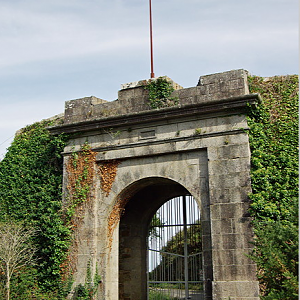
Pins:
x: 134, y: 231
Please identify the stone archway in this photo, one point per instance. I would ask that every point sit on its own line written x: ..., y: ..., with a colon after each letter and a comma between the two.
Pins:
x: 200, y: 144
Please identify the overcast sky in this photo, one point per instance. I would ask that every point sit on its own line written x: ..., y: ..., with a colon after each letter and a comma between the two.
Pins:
x: 57, y: 50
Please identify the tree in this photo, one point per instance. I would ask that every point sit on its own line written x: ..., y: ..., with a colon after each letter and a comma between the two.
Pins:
x: 16, y: 250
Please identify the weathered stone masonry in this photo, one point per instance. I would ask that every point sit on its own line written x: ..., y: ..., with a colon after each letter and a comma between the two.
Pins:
x: 199, y: 147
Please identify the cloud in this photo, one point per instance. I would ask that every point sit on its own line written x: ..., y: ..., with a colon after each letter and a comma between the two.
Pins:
x: 53, y: 51
x: 49, y: 30
x: 43, y: 34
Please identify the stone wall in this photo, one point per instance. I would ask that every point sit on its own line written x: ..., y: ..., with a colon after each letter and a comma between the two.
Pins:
x: 133, y: 97
x: 200, y: 147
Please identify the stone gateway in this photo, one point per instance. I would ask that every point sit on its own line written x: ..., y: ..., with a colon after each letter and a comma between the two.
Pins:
x: 144, y: 157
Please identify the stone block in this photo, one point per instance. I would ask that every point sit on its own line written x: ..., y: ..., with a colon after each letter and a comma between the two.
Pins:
x: 207, y: 254
x: 217, y: 242
x: 187, y: 92
x: 139, y: 92
x: 215, y: 212
x: 80, y: 109
x: 244, y: 179
x: 126, y: 94
x: 226, y: 180
x: 232, y: 241
x: 203, y: 90
x: 241, y: 194
x: 231, y: 210
x: 230, y: 195
x: 234, y: 82
x: 243, y: 224
x: 124, y: 275
x: 137, y: 89
x: 229, y: 166
x: 245, y: 290
x: 242, y: 258
x: 218, y: 195
x: 234, y: 151
x: 224, y: 257
x: 212, y: 153
x: 222, y: 226
x: 187, y: 100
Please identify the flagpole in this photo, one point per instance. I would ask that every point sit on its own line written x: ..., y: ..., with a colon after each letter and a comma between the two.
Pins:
x: 151, y: 41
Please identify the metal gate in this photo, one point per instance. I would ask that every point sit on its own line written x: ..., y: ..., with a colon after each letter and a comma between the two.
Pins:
x: 175, y: 251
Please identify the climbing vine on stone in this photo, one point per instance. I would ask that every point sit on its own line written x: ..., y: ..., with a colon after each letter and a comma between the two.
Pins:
x: 81, y: 171
x: 160, y: 91
x: 108, y: 173
x: 115, y: 216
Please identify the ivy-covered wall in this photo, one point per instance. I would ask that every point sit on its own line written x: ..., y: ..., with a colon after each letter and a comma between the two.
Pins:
x: 274, y: 173
x: 30, y: 191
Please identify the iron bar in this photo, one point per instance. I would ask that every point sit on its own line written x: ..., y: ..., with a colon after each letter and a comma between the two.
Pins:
x: 186, y: 268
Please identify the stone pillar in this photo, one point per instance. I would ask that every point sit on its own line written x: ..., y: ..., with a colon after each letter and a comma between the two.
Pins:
x: 234, y: 273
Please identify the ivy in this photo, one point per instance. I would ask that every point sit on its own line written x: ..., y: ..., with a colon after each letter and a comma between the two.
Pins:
x: 160, y: 91
x: 80, y: 167
x: 108, y: 173
x: 273, y: 140
x: 30, y: 191
x: 89, y: 289
x: 81, y: 171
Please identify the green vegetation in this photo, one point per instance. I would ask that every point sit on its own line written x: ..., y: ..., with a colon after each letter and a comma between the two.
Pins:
x: 156, y: 294
x: 88, y: 290
x: 198, y: 131
x: 31, y: 179
x: 30, y: 191
x: 80, y: 170
x: 153, y: 230
x: 160, y: 91
x: 274, y: 174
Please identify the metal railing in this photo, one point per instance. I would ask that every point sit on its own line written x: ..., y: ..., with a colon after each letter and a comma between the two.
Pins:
x: 175, y: 251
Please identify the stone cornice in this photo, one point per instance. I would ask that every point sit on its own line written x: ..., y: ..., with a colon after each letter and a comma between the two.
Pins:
x: 229, y: 106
